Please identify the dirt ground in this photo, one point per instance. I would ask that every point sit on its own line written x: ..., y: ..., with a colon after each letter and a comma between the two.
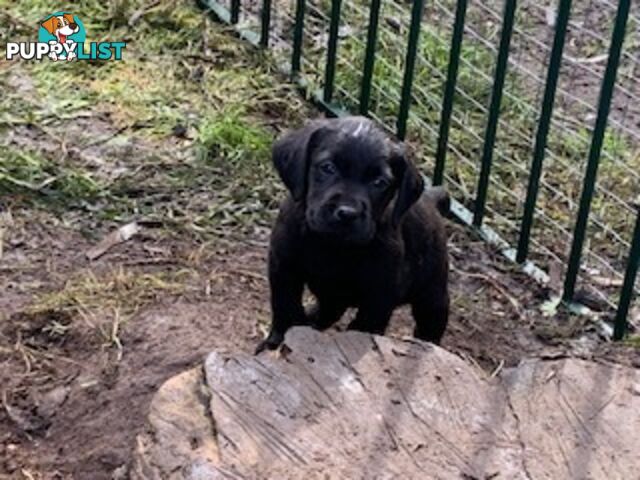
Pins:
x: 73, y: 402
x: 84, y: 344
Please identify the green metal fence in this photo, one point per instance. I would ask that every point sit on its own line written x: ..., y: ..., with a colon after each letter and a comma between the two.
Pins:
x: 514, y: 105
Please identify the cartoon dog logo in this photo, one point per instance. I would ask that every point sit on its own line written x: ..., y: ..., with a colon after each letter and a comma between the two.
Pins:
x: 61, y: 27
x: 62, y: 36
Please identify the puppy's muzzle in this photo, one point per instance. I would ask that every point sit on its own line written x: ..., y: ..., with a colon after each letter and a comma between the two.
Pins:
x: 348, y: 220
x: 347, y: 214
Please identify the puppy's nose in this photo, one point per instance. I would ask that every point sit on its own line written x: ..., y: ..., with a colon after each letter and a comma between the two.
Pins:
x: 346, y: 213
x: 73, y: 26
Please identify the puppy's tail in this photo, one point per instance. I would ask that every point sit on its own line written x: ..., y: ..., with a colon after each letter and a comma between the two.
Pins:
x: 440, y: 198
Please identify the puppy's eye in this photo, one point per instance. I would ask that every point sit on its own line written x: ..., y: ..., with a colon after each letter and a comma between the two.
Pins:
x: 328, y: 168
x: 381, y: 183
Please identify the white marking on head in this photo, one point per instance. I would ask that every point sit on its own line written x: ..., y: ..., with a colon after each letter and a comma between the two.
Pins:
x: 359, y: 128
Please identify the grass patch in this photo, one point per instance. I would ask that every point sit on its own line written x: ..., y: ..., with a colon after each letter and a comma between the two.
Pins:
x: 632, y: 341
x: 229, y: 138
x: 232, y: 144
x: 179, y: 70
x: 121, y: 290
x: 103, y: 303
x: 134, y: 94
x: 32, y: 176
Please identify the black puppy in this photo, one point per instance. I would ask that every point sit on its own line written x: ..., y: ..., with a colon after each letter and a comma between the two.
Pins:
x: 357, y: 231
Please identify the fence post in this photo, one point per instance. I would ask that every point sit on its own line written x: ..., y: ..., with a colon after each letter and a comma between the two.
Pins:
x: 562, y: 19
x: 332, y: 50
x: 629, y: 283
x: 588, y: 186
x: 449, y: 91
x: 494, y: 111
x: 369, y: 58
x: 297, y: 38
x: 409, y: 67
x: 235, y: 11
x: 265, y: 24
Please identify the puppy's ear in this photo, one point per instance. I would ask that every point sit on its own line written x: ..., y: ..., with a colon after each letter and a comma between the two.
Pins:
x: 291, y: 156
x: 410, y: 182
x: 50, y: 25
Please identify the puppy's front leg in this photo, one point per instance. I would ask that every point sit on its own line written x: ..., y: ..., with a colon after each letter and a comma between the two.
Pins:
x: 286, y: 303
x: 373, y: 316
x: 430, y: 310
x: 379, y: 298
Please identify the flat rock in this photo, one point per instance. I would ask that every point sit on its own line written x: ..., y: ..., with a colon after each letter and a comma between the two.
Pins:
x: 352, y: 405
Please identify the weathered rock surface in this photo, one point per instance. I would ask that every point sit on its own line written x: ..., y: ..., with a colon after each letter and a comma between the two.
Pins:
x: 355, y: 406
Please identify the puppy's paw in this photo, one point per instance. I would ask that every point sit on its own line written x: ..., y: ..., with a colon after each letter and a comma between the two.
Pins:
x: 273, y: 341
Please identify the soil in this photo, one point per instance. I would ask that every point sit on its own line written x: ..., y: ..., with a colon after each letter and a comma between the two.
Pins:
x: 73, y: 407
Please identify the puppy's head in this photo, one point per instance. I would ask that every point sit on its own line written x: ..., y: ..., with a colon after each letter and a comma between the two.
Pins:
x: 349, y: 175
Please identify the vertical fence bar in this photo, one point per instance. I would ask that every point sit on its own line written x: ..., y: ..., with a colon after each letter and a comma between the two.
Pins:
x: 297, y: 37
x: 494, y: 110
x: 449, y: 91
x: 332, y: 50
x: 369, y: 58
x: 562, y: 19
x: 409, y: 67
x: 599, y: 129
x: 235, y: 11
x: 265, y: 24
x: 629, y: 283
